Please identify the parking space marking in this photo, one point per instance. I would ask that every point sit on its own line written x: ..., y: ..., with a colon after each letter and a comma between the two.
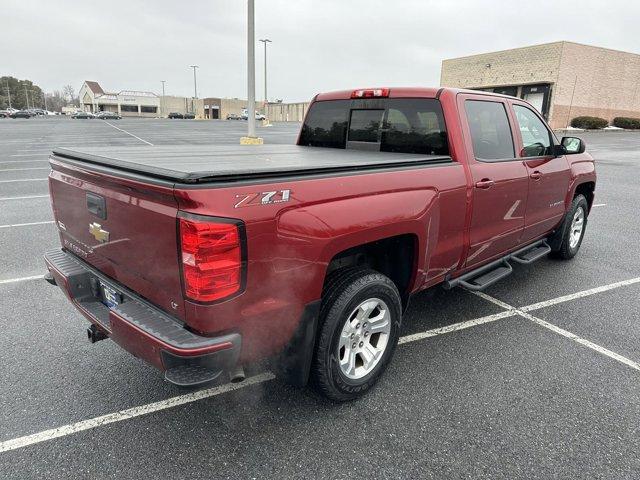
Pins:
x: 129, y: 133
x: 25, y: 180
x: 561, y: 331
x: 23, y: 169
x: 22, y: 279
x: 133, y: 412
x: 455, y: 327
x: 130, y: 413
x: 599, y: 205
x: 26, y: 224
x: 584, y: 293
x: 24, y: 198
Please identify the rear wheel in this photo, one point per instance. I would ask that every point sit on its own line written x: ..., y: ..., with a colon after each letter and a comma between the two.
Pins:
x: 359, y: 328
x: 576, y: 223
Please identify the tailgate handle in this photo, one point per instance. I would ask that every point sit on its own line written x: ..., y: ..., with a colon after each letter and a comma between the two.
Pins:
x: 97, y: 205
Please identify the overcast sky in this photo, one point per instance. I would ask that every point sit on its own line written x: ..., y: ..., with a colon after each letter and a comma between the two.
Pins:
x: 317, y: 44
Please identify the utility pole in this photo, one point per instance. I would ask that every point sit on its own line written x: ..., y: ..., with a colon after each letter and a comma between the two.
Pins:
x: 162, y: 99
x: 251, y: 138
x: 44, y: 95
x: 26, y: 94
x: 195, y: 89
x: 266, y: 101
x: 9, y: 94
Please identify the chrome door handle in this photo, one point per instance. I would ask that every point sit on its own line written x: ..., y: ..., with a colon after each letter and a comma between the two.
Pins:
x: 485, y: 183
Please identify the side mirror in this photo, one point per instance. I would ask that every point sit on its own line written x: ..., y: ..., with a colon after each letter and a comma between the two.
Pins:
x: 573, y: 145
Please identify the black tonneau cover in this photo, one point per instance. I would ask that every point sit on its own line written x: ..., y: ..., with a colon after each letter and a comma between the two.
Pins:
x: 205, y: 163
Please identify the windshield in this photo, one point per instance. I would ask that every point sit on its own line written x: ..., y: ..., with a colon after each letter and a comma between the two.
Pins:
x: 393, y: 125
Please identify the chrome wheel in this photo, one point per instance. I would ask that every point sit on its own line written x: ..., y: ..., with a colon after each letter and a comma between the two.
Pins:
x: 577, y: 225
x: 364, y: 338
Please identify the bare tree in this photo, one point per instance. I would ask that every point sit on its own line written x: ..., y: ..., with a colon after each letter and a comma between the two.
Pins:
x: 70, y: 94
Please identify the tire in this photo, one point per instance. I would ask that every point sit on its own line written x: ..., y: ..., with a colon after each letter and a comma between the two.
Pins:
x: 375, y: 298
x: 571, y: 241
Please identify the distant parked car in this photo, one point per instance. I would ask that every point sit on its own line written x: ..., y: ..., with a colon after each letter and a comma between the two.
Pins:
x: 83, y: 115
x: 233, y: 116
x: 175, y: 115
x: 21, y: 114
x: 260, y: 116
x: 108, y: 116
x: 189, y: 116
x: 5, y: 113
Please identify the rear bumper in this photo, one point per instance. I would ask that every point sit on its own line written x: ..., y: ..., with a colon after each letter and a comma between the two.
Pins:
x: 139, y: 327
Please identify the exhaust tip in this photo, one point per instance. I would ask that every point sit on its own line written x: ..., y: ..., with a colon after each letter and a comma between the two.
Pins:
x: 236, y: 375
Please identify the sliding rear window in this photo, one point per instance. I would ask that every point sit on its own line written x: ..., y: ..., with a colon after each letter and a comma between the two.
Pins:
x: 390, y: 125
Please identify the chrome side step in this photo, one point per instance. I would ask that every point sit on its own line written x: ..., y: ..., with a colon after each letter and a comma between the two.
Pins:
x: 487, y: 275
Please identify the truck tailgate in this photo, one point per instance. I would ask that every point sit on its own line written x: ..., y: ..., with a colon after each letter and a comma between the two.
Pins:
x: 124, y: 228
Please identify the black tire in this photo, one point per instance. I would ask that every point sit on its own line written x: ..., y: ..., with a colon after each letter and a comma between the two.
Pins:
x: 565, y: 251
x: 344, y: 291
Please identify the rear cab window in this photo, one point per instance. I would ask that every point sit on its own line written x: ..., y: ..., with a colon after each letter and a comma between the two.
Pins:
x: 400, y: 125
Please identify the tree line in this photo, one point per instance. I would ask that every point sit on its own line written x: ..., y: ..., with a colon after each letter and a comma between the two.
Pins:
x: 23, y: 94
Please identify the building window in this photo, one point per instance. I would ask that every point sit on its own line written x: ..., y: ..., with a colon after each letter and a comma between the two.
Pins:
x: 145, y: 109
x: 129, y: 108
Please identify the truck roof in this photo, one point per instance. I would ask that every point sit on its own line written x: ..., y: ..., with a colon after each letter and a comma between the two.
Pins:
x: 211, y: 163
x: 405, y: 92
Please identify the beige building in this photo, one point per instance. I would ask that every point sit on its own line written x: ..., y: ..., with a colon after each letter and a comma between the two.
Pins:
x: 128, y: 103
x: 563, y: 80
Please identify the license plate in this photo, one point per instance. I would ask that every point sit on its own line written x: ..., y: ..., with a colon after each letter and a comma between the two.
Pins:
x: 110, y: 297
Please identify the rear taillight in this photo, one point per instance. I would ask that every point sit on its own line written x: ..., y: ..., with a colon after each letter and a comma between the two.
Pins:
x: 212, y: 261
x: 370, y: 93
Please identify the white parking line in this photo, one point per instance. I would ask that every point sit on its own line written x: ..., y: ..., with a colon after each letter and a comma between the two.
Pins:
x: 561, y: 331
x: 129, y: 133
x: 22, y: 279
x: 599, y: 205
x: 129, y: 413
x: 25, y: 180
x: 26, y: 224
x: 23, y: 169
x: 24, y: 198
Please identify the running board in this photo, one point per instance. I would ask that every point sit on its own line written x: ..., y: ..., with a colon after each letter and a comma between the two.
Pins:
x: 532, y: 254
x: 488, y: 274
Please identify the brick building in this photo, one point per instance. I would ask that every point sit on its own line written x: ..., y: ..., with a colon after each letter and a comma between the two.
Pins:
x: 562, y: 80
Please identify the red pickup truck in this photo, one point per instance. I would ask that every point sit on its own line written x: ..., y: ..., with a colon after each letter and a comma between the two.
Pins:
x: 202, y: 259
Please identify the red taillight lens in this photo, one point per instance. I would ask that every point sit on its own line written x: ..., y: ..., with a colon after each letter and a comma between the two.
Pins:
x: 370, y: 93
x: 211, y: 259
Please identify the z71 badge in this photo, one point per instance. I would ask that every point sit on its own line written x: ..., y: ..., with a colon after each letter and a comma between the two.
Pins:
x: 263, y: 198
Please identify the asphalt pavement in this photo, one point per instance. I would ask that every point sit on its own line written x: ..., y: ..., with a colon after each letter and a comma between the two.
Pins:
x: 539, y: 378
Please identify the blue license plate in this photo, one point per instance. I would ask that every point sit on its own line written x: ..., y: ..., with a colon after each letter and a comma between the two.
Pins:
x: 110, y: 297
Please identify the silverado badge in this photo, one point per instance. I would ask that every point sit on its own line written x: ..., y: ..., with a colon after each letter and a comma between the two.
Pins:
x: 98, y: 233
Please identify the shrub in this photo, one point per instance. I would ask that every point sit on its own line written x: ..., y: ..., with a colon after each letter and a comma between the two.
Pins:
x: 589, y: 123
x: 627, y: 122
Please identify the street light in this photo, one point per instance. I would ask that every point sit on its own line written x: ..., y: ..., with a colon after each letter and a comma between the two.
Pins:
x: 162, y: 99
x: 251, y: 138
x: 195, y: 88
x: 265, y: 41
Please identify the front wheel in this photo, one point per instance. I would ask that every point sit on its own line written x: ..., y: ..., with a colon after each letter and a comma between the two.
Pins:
x: 576, y: 223
x: 359, y: 328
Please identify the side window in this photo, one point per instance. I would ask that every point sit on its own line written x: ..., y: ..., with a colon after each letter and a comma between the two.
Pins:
x: 536, y: 139
x: 490, y: 130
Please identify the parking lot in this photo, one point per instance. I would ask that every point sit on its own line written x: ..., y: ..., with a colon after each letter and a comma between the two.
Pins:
x: 539, y: 377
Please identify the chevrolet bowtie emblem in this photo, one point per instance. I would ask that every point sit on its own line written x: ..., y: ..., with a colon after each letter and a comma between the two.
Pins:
x: 98, y: 233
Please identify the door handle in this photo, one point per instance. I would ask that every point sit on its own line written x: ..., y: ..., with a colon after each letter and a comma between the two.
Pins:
x: 485, y: 183
x: 536, y: 175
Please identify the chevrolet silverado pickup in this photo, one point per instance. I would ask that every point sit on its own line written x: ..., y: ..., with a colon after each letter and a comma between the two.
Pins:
x: 202, y: 259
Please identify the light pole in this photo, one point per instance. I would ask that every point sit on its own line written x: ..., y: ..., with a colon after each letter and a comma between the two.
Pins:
x: 265, y: 41
x: 162, y: 99
x: 251, y: 138
x: 195, y: 88
x: 26, y: 94
x: 9, y: 94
